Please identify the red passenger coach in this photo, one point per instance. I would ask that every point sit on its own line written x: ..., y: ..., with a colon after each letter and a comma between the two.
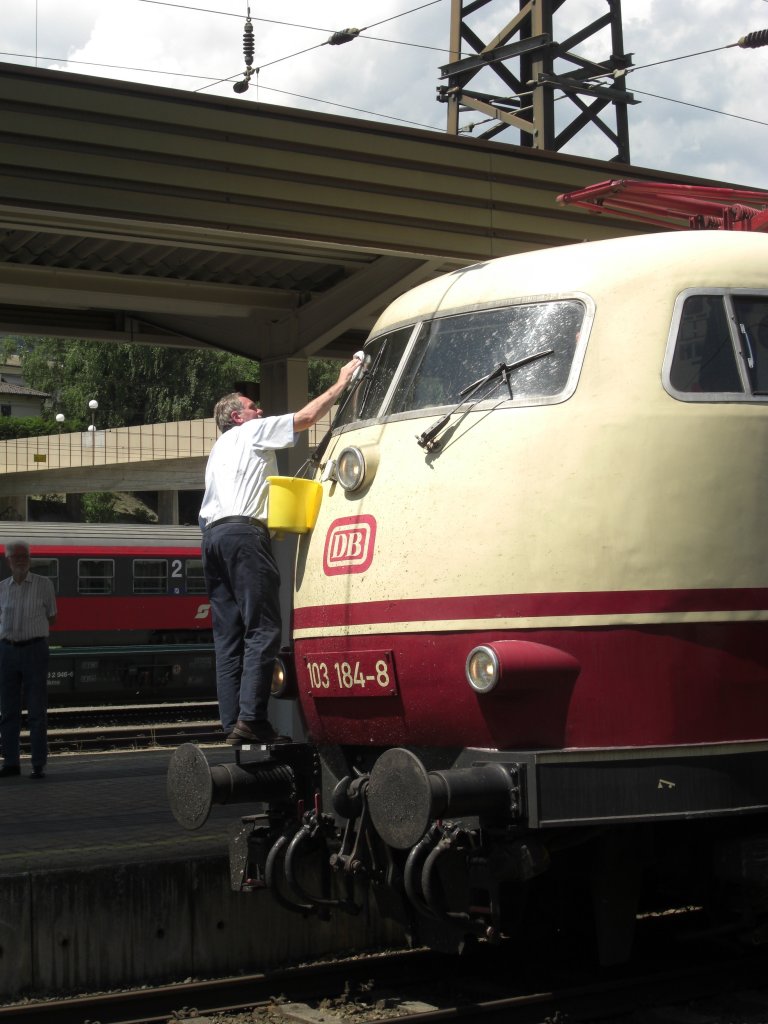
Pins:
x: 133, y: 617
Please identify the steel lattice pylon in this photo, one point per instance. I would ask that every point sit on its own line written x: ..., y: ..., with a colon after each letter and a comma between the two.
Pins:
x: 532, y: 67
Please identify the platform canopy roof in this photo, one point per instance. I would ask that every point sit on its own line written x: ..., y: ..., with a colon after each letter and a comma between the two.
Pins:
x: 135, y: 213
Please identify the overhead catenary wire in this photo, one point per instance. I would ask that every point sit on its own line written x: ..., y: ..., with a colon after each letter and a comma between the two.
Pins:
x: 751, y: 40
x: 699, y: 106
x: 335, y: 38
x: 317, y: 28
x: 207, y: 78
x: 356, y: 110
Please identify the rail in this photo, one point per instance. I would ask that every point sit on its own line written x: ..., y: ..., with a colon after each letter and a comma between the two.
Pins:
x: 131, y: 727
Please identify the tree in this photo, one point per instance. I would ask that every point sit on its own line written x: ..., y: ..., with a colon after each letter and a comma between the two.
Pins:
x: 321, y: 374
x: 133, y: 384
x: 136, y: 384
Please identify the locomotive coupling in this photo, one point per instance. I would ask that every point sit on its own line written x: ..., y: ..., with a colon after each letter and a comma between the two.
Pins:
x: 192, y: 786
x: 404, y: 798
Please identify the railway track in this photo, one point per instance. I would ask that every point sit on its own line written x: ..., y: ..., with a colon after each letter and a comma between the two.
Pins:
x: 423, y: 987
x: 132, y: 726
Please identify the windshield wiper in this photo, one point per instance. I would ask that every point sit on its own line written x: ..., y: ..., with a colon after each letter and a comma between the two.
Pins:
x: 428, y: 441
x: 369, y: 373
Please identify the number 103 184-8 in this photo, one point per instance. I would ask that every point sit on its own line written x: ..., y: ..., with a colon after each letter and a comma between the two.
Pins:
x: 368, y: 675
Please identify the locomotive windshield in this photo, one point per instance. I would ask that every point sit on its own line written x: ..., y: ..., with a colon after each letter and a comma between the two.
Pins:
x: 451, y: 352
x: 442, y: 356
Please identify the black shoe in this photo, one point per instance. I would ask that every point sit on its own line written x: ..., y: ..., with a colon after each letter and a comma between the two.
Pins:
x: 255, y: 732
x: 9, y: 769
x: 37, y: 773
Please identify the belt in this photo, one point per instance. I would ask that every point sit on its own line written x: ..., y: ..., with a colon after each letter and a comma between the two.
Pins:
x: 25, y: 643
x: 243, y: 520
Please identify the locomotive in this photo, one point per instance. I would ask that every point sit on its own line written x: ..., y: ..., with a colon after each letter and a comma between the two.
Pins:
x: 530, y: 625
x: 133, y: 620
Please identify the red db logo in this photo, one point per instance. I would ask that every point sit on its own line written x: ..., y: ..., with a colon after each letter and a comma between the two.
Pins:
x: 349, y: 545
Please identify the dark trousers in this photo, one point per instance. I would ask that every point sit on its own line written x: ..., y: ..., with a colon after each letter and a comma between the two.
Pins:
x: 24, y: 679
x: 243, y: 583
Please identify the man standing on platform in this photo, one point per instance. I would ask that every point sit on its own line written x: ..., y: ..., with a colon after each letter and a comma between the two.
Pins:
x: 27, y: 611
x: 241, y: 574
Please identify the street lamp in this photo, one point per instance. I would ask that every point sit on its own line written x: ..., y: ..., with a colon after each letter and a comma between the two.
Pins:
x: 59, y: 419
x: 93, y: 405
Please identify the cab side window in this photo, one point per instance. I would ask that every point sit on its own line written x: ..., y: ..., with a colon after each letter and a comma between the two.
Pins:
x: 704, y: 359
x: 751, y: 316
x: 720, y: 347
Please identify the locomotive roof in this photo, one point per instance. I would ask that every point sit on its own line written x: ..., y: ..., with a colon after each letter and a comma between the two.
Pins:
x: 668, y: 261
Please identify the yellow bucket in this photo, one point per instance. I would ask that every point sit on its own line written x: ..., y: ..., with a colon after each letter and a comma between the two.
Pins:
x: 293, y: 503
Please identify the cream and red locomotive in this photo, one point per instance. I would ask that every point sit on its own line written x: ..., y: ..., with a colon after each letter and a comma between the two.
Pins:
x: 530, y: 625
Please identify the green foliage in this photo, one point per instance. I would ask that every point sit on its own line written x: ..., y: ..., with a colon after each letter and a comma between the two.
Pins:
x: 99, y: 507
x: 25, y: 426
x: 133, y: 384
x: 321, y: 374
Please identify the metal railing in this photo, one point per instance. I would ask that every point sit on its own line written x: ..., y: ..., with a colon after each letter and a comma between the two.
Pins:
x: 151, y: 442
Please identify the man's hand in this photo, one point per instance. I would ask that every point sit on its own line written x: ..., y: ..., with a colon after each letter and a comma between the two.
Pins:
x: 312, y: 411
x: 347, y: 371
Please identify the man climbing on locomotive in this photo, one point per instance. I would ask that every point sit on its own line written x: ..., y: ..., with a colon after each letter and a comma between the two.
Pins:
x: 241, y: 574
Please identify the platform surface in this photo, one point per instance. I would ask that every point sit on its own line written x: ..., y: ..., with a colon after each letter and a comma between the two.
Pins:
x: 103, y: 808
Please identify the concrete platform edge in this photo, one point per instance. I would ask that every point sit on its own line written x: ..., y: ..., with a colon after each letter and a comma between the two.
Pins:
x: 100, y: 928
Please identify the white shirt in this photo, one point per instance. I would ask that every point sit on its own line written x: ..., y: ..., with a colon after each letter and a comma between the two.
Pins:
x: 238, y: 467
x: 26, y: 607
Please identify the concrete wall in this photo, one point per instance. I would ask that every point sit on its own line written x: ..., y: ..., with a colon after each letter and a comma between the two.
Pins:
x: 97, y: 928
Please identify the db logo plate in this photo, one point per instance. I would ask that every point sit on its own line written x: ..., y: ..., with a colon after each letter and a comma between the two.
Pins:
x: 349, y: 545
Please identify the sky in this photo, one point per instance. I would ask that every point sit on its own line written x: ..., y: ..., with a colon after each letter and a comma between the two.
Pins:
x: 701, y: 109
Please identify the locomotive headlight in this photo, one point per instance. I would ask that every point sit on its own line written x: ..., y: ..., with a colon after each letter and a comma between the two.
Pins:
x: 482, y: 669
x: 350, y: 469
x: 283, y: 677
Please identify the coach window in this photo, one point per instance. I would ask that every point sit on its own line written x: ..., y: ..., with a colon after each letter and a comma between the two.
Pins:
x: 95, y: 575
x: 47, y: 567
x: 195, y: 581
x: 150, y: 576
x: 453, y: 352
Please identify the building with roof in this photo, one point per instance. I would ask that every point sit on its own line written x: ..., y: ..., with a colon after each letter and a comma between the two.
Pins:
x: 16, y: 399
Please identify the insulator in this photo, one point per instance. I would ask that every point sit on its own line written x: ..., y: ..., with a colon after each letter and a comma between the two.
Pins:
x: 248, y: 43
x: 345, y: 35
x: 754, y: 39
